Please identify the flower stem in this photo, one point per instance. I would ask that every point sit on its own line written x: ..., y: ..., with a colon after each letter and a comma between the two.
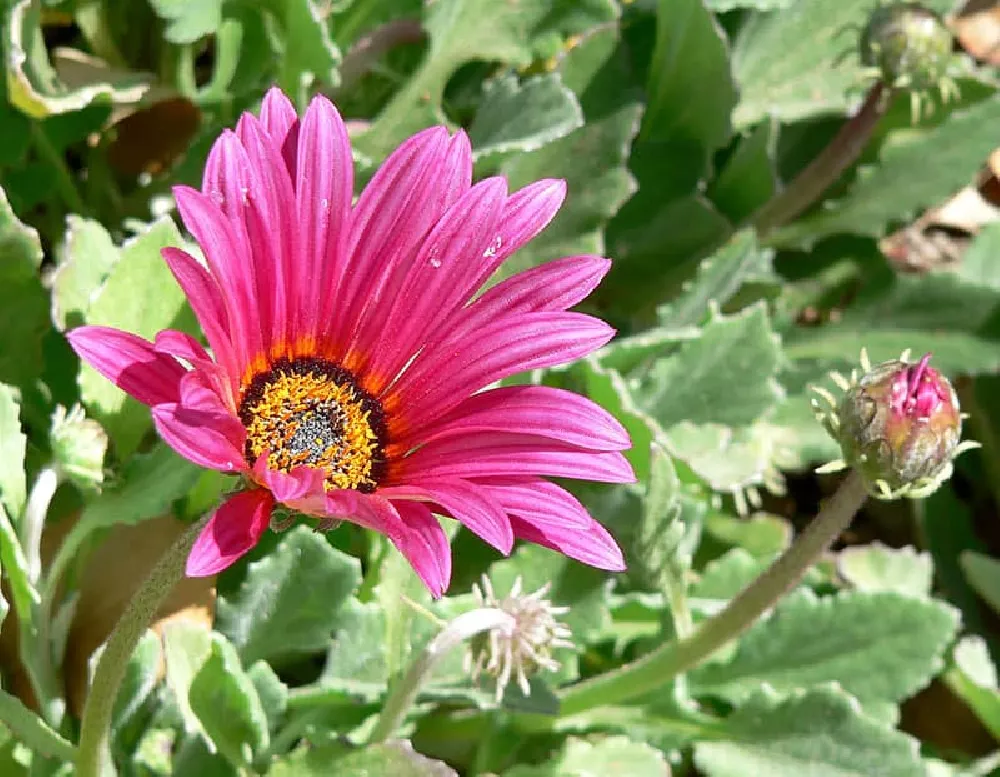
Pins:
x: 92, y: 752
x: 666, y: 662
x: 404, y: 691
x: 825, y: 169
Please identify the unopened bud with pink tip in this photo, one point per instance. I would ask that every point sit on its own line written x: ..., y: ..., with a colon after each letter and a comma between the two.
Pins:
x: 898, y: 424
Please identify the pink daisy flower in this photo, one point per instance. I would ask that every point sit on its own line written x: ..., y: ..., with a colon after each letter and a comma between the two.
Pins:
x: 350, y: 359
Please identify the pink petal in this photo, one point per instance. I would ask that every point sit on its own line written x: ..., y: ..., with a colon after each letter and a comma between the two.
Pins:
x: 509, y: 454
x: 439, y: 279
x: 543, y: 513
x: 180, y: 344
x: 410, y: 526
x: 200, y: 436
x: 206, y: 301
x: 278, y: 117
x: 441, y: 377
x: 302, y: 485
x: 527, y: 212
x: 272, y: 199
x: 404, y: 199
x: 553, y: 286
x: 323, y: 190
x: 231, y: 264
x: 233, y: 530
x: 425, y: 546
x: 541, y: 410
x: 465, y: 502
x: 129, y: 362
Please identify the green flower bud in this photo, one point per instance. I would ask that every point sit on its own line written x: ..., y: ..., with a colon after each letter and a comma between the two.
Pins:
x: 909, y: 44
x: 78, y: 446
x: 910, y: 48
x: 899, y: 425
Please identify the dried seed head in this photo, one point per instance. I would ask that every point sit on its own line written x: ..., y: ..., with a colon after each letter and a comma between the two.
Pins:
x: 524, y: 648
x: 898, y: 424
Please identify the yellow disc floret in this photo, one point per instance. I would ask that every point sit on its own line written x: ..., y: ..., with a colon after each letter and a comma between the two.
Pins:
x: 310, y: 412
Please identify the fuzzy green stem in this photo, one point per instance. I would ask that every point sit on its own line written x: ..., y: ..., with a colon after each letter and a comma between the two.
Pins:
x: 666, y: 662
x: 92, y: 752
x: 404, y: 692
x: 828, y: 166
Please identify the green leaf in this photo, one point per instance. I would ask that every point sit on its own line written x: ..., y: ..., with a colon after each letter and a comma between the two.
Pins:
x: 86, y: 258
x: 658, y: 241
x: 748, y: 178
x: 726, y: 376
x: 188, y: 20
x: 979, y: 265
x: 33, y: 85
x: 610, y: 757
x: 941, y: 313
x: 391, y: 759
x: 691, y: 90
x: 727, y: 575
x: 821, y: 732
x: 13, y: 445
x: 463, y: 31
x: 271, y: 691
x: 226, y: 703
x: 24, y: 315
x: 661, y: 544
x: 761, y: 535
x: 357, y: 660
x: 30, y: 729
x: 721, y: 6
x: 917, y: 168
x: 974, y: 679
x: 309, y: 52
x: 291, y: 599
x: 186, y: 647
x: 140, y: 296
x: 719, y: 278
x: 608, y: 388
x: 592, y: 161
x: 876, y: 567
x: 880, y: 647
x: 141, y: 677
x: 983, y: 574
x: 523, y: 116
x: 149, y: 484
x: 800, y: 62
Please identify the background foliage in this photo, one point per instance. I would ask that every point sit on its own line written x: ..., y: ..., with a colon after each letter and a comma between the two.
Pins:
x: 673, y: 123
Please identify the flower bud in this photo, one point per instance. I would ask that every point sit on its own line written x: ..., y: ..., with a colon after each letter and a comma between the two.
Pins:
x: 526, y: 646
x: 78, y: 447
x: 910, y: 48
x: 908, y: 43
x: 899, y: 425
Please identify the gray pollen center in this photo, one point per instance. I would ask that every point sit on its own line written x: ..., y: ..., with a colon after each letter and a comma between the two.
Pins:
x: 317, y: 430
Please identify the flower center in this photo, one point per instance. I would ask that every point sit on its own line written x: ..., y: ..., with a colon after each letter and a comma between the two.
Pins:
x: 310, y: 412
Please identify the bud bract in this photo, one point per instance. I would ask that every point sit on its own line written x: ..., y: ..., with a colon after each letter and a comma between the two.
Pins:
x: 898, y: 424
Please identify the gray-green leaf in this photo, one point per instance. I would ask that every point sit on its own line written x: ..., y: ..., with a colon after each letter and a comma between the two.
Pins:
x: 880, y: 647
x: 821, y: 732
x: 523, y: 116
x: 290, y: 601
x: 226, y: 703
